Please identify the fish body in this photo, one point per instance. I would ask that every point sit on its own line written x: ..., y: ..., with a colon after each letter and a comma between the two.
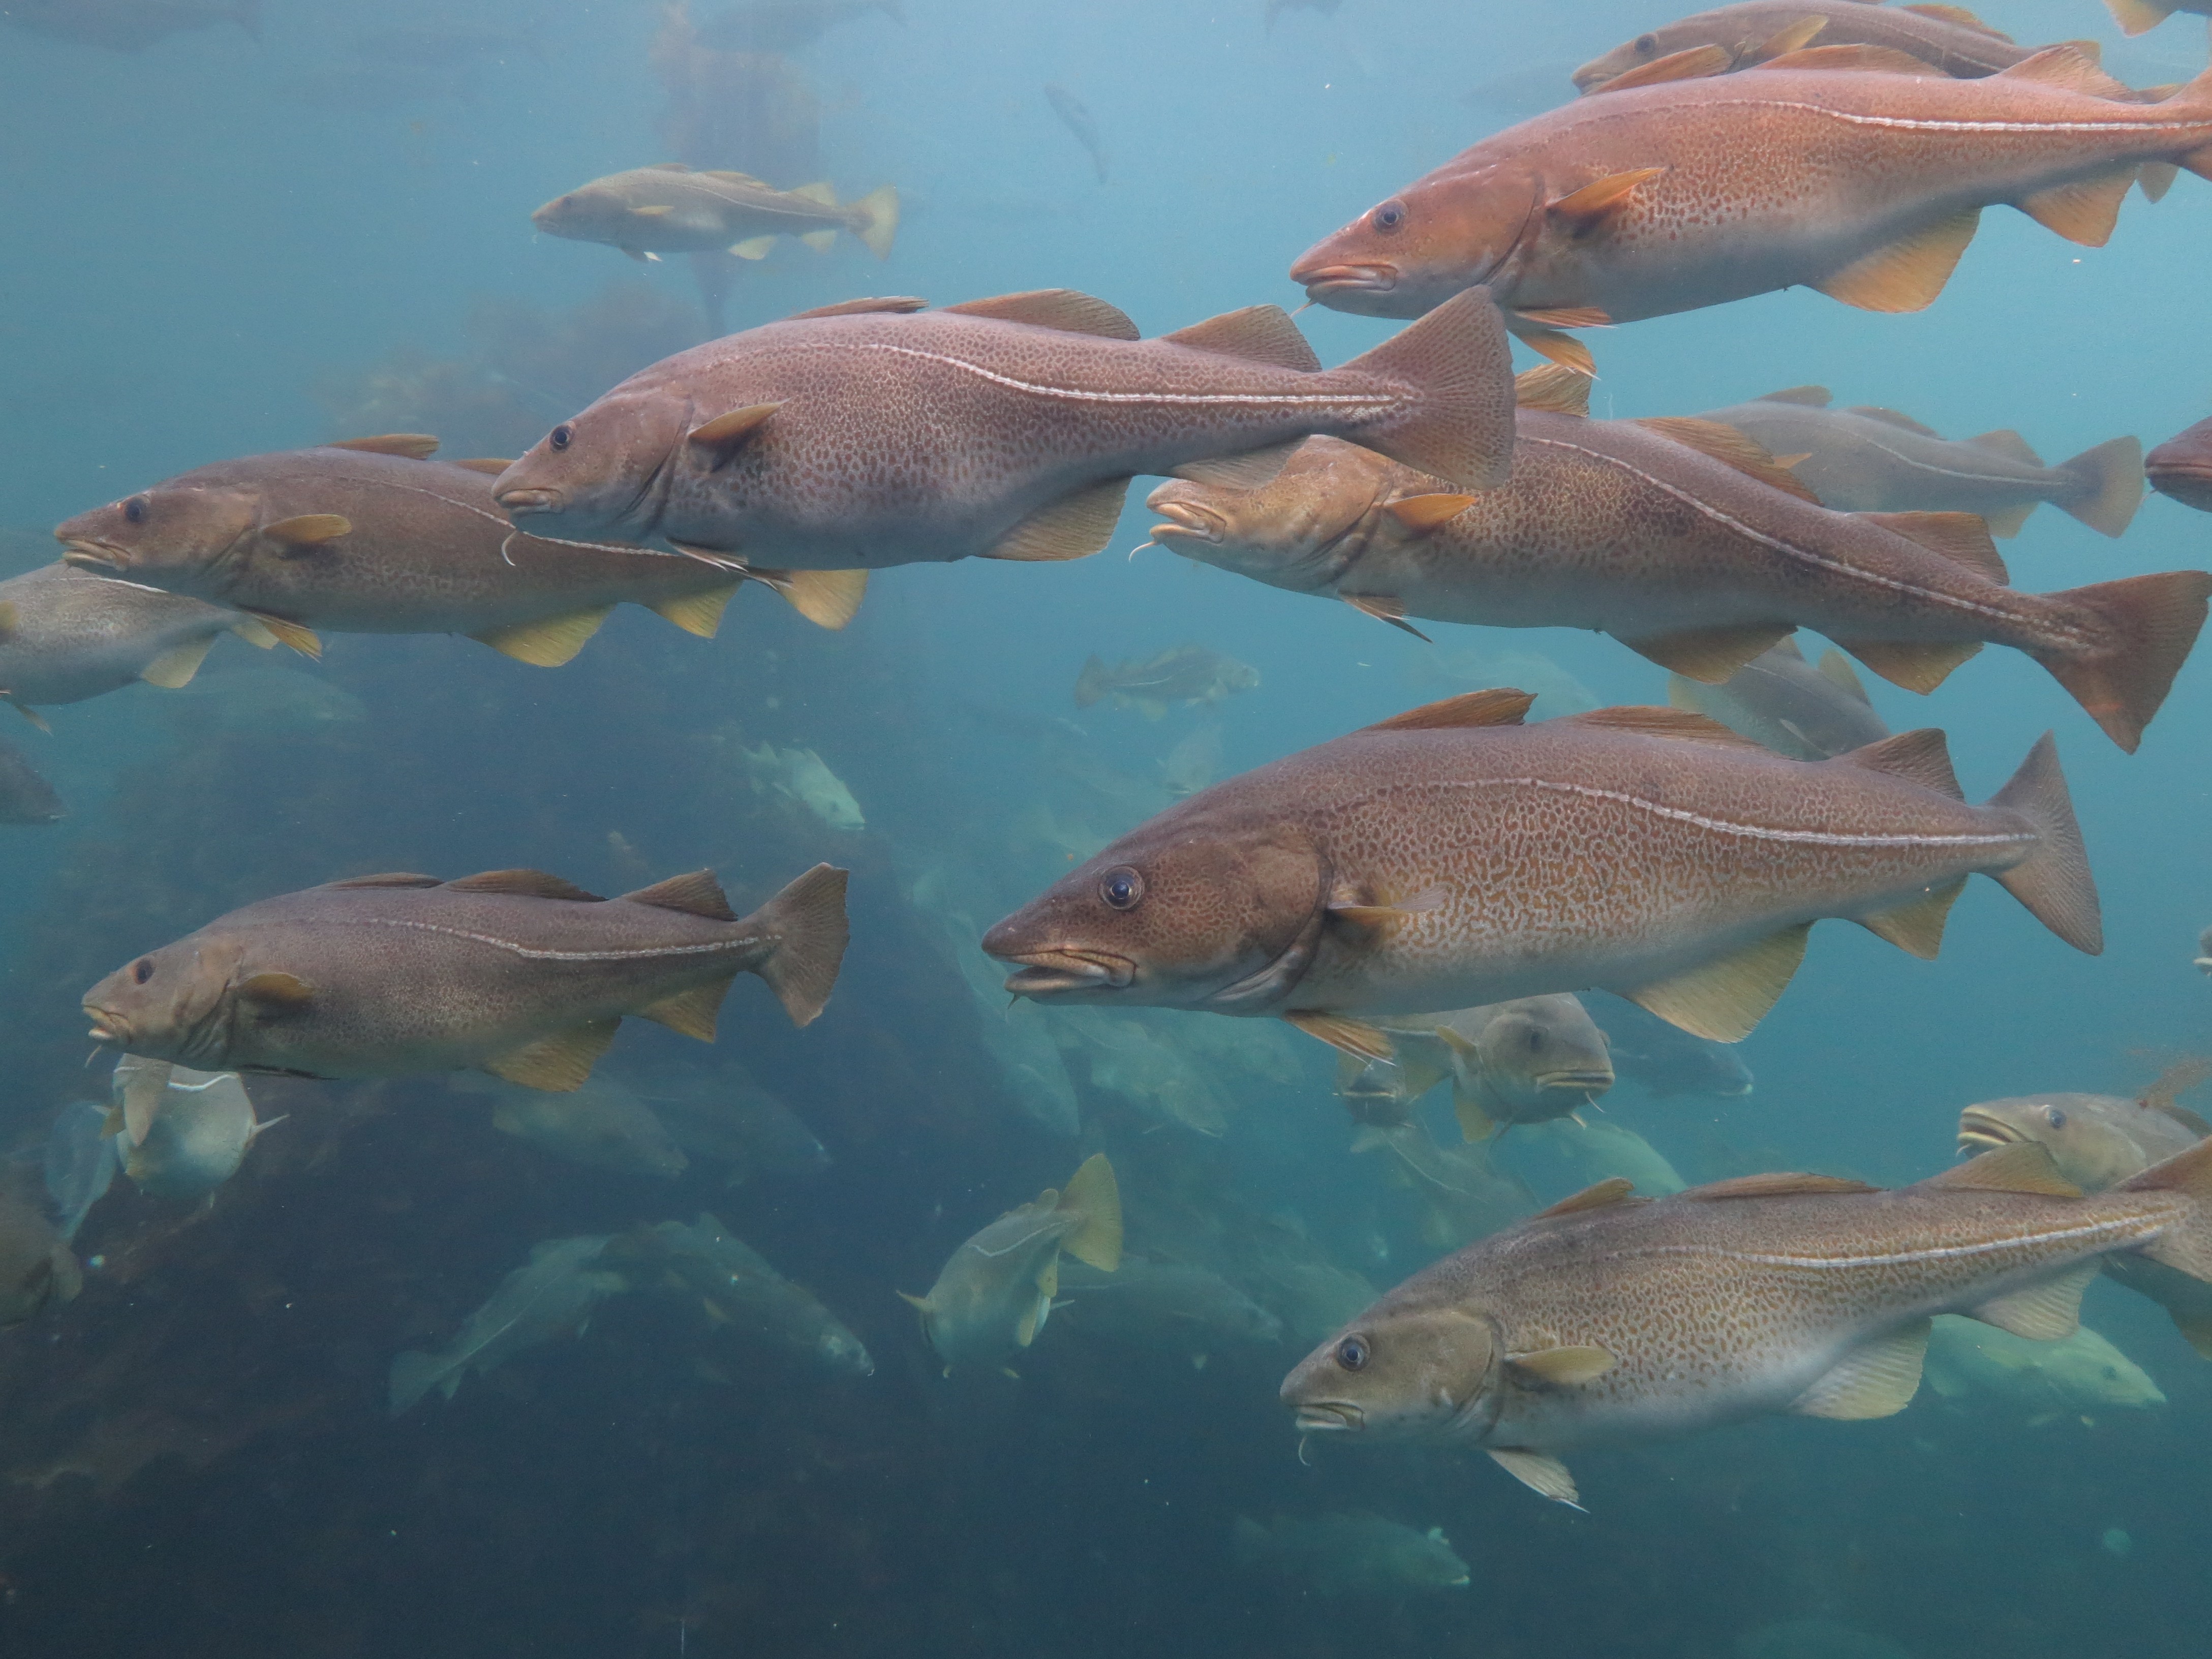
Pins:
x: 513, y: 972
x: 705, y: 1260
x: 66, y: 635
x: 1782, y: 702
x: 603, y: 1126
x: 553, y: 1294
x: 1522, y: 1062
x: 1444, y: 860
x: 79, y: 1162
x: 36, y: 1268
x: 734, y: 1121
x: 1186, y: 674
x: 2083, y: 1372
x: 1750, y: 32
x: 202, y: 1125
x: 669, y: 208
x: 1686, y: 558
x: 1075, y: 115
x: 1666, y: 1062
x: 2182, y: 467
x: 1867, y: 460
x: 881, y: 434
x: 25, y: 797
x: 804, y: 777
x: 1464, y: 1195
x: 1603, y: 1149
x: 1864, y: 184
x: 1609, y: 1318
x: 1164, y: 1304
x: 1350, y: 1554
x: 995, y: 1293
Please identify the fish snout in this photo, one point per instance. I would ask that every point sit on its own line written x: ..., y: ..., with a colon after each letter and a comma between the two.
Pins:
x: 1187, y: 521
x: 107, y: 1026
x: 1324, y: 282
x: 1981, y: 1132
x: 1587, y: 1082
x: 1043, y: 973
x: 1329, y: 1417
x: 101, y: 557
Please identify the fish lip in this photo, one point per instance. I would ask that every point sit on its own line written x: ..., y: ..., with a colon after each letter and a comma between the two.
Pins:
x: 94, y: 556
x: 1329, y: 1417
x: 1318, y: 280
x: 1068, y: 968
x: 525, y: 501
x: 107, y: 1025
x: 1981, y: 1132
x: 1190, y: 520
x: 1580, y: 1082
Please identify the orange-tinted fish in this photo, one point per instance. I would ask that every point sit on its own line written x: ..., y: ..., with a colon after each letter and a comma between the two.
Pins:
x: 2140, y: 16
x: 1755, y: 32
x: 2182, y: 467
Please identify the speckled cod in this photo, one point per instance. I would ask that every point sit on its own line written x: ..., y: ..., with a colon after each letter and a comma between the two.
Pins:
x: 1610, y: 1317
x: 513, y: 972
x: 1452, y: 857
x: 1753, y: 32
x: 65, y: 637
x: 877, y: 433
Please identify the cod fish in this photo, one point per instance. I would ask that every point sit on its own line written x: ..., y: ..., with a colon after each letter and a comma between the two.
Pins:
x: 2141, y: 16
x: 79, y: 1162
x: 1186, y: 674
x: 1859, y: 171
x: 1868, y: 460
x: 1753, y: 32
x: 802, y: 776
x: 667, y: 207
x: 2083, y: 1372
x: 1520, y: 1061
x: 1450, y: 856
x: 201, y: 1125
x: 25, y: 797
x: 1666, y: 1062
x: 1688, y: 547
x: 372, y: 537
x: 2182, y: 467
x: 553, y: 1294
x: 65, y: 637
x: 36, y: 1268
x: 601, y: 1125
x: 1164, y: 1304
x: 512, y: 972
x: 729, y: 1119
x: 877, y: 433
x: 1782, y: 702
x: 704, y: 1263
x: 1463, y: 1195
x: 996, y: 1291
x: 1349, y: 1554
x: 1610, y: 1317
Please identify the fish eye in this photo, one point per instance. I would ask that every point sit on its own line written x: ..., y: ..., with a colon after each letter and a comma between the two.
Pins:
x: 1122, y: 888
x: 134, y: 510
x: 1646, y: 45
x: 1352, y: 1352
x: 561, y: 435
x: 1535, y: 1041
x: 142, y: 969
x: 1390, y: 215
x: 2054, y: 1117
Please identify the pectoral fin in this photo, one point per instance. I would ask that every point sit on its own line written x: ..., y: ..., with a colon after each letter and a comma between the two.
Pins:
x: 1708, y: 655
x: 726, y: 433
x: 1721, y: 1001
x: 1073, y: 527
x: 827, y: 598
x: 308, y: 529
x: 176, y: 666
x: 1875, y: 1379
x: 1341, y: 1031
x: 1475, y: 1124
x: 278, y: 991
x: 1032, y: 1319
x: 558, y: 1063
x: 1907, y: 275
x: 301, y: 639
x: 1563, y: 1367
x: 1545, y: 1475
x: 549, y: 642
x: 1425, y: 513
x: 1384, y: 608
x: 1586, y: 208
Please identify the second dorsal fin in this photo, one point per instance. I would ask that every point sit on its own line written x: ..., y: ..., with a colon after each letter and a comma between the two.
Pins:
x: 1656, y: 722
x: 1259, y: 334
x: 1554, y: 389
x: 416, y: 446
x: 522, y: 883
x: 1922, y: 757
x: 1961, y: 538
x: 1614, y: 1189
x: 1064, y: 308
x: 1730, y: 447
x: 899, y: 303
x: 1812, y: 397
x: 2066, y: 65
x: 695, y: 893
x: 396, y: 878
x: 1499, y: 706
x: 1779, y: 1184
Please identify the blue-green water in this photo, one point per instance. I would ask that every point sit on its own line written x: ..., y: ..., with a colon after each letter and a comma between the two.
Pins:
x: 228, y: 243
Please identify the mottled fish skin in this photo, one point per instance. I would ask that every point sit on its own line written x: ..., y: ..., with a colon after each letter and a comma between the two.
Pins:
x: 1771, y: 178
x: 2181, y: 467
x: 898, y: 436
x: 1782, y: 702
x: 1753, y: 32
x: 66, y: 635
x: 670, y: 209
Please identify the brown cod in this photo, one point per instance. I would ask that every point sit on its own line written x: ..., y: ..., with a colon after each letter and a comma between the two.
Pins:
x: 877, y: 433
x: 1689, y: 544
x: 1452, y: 856
x: 2182, y: 467
x: 668, y: 208
x: 1754, y: 32
x: 1858, y: 170
x: 1614, y: 1318
x: 512, y: 972
x: 372, y: 537
x: 1525, y: 1061
x: 1785, y: 704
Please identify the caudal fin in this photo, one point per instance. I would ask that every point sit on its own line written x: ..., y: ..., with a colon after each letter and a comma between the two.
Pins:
x: 2194, y: 100
x: 2150, y: 623
x: 2110, y: 480
x: 809, y: 918
x: 1457, y: 362
x: 875, y: 219
x: 2186, y: 1245
x: 1093, y: 1193
x: 2053, y: 881
x: 2138, y: 16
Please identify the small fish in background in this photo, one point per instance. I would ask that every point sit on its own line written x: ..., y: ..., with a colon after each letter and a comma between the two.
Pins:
x: 1150, y: 1305
x: 1666, y: 1061
x: 1746, y: 35
x: 1594, y: 1152
x: 1969, y: 1360
x: 554, y: 1294
x: 1464, y: 1195
x: 725, y: 1118
x: 2181, y: 467
x: 198, y: 1127
x: 1520, y: 1061
x: 602, y: 1124
x: 1782, y: 702
x: 513, y: 972
x: 1353, y: 1554
x: 671, y: 208
x: 1075, y: 115
x: 996, y: 1291
x: 1036, y: 825
x: 79, y: 1162
x: 1869, y: 459
x: 1191, y: 765
x: 1132, y: 1061
x: 2141, y: 16
x: 36, y: 1268
x: 25, y: 797
x: 2096, y: 1140
x: 803, y: 777
x: 127, y: 26
x: 1190, y: 675
x: 1023, y: 1041
x: 769, y: 26
x: 704, y: 1264
x: 1274, y: 9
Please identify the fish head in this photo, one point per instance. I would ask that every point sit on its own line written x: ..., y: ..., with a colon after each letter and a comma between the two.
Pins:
x: 841, y: 1350
x: 596, y: 212
x: 1646, y: 48
x: 604, y: 472
x: 1195, y: 909
x: 1544, y: 1056
x: 1409, y: 1370
x: 1406, y: 256
x: 181, y: 538
x: 2086, y: 1135
x: 1426, y: 1561
x: 2182, y: 467
x: 1295, y: 531
x: 182, y: 1001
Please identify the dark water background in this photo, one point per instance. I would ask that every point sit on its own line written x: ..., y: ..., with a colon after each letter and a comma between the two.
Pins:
x: 225, y: 245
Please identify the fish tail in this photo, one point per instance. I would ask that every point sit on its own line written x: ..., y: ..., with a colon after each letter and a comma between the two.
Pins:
x: 2187, y: 1245
x: 2193, y: 100
x: 1091, y: 683
x: 1458, y: 424
x: 2052, y: 882
x: 875, y: 219
x: 2149, y: 624
x: 2110, y: 478
x: 809, y: 918
x: 1093, y: 1193
x: 414, y: 1374
x: 2138, y: 16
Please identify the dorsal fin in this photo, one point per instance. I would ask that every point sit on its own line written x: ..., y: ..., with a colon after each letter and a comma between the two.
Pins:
x: 1064, y: 308
x: 397, y: 879
x: 1259, y: 334
x: 1695, y: 63
x: 416, y: 446
x: 1781, y: 1184
x: 2068, y: 66
x: 522, y: 883
x: 1962, y: 18
x: 2024, y: 1166
x: 1836, y: 669
x: 1961, y: 538
x: 737, y: 177
x: 1878, y: 60
x: 695, y: 893
x: 1792, y: 38
x: 1889, y: 417
x: 1812, y: 397
x: 491, y: 467
x: 1787, y: 648
x: 1731, y: 448
x: 1554, y: 389
x: 1614, y: 1189
x: 2008, y: 443
x: 2178, y: 1079
x: 1654, y: 722
x: 1499, y: 706
x: 1922, y: 757
x: 666, y: 166
x: 899, y: 302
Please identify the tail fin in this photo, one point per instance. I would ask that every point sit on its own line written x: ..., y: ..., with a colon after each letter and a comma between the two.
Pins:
x: 2053, y: 881
x: 1457, y: 361
x: 2187, y: 1245
x: 2194, y: 98
x: 1093, y: 1193
x: 875, y: 220
x: 414, y: 1374
x: 2138, y: 16
x: 808, y: 917
x: 1091, y: 683
x: 2110, y: 480
x: 2153, y: 621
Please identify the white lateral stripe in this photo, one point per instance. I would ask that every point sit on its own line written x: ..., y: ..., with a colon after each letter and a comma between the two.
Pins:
x: 1750, y: 831
x: 2123, y: 1229
x: 529, y: 953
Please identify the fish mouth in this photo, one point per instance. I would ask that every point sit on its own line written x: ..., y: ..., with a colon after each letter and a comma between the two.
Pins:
x: 1329, y: 1417
x: 1186, y: 520
x: 1321, y: 281
x: 107, y: 1026
x: 1588, y: 1083
x: 94, y: 556
x: 1980, y: 1131
x: 1043, y: 973
x: 523, y: 503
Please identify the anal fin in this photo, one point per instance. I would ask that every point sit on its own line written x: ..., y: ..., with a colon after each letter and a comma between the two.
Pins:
x: 558, y: 1063
x: 176, y: 666
x: 1914, y: 665
x: 548, y: 642
x: 2084, y: 211
x: 1907, y: 275
x: 1917, y: 929
x: 698, y: 613
x: 1710, y: 654
x: 2048, y: 1312
x: 1541, y: 1473
x: 1073, y: 527
x: 690, y: 1011
x: 1875, y: 1379
x: 1722, y: 1001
